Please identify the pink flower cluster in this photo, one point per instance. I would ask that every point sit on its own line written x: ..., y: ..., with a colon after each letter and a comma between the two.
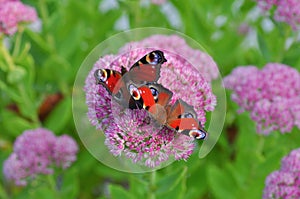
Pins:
x: 285, y: 183
x: 272, y: 95
x: 286, y: 10
x: 36, y: 152
x: 131, y: 132
x: 12, y: 13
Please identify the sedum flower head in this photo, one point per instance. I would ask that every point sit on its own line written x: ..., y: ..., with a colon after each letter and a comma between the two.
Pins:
x: 12, y: 13
x: 36, y: 152
x: 285, y: 183
x: 65, y: 150
x: 286, y: 10
x: 272, y: 95
x: 132, y: 132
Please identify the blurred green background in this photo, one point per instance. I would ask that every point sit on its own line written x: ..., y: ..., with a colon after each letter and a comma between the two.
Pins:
x: 232, y: 32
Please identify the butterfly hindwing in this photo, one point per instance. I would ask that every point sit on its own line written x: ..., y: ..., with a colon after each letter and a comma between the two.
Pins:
x: 183, y: 119
x: 188, y: 126
x: 150, y: 94
x: 152, y: 97
x: 141, y: 95
x: 181, y: 109
x: 161, y: 95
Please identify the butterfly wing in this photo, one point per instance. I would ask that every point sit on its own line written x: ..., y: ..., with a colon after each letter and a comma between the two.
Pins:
x: 151, y: 97
x: 109, y: 79
x: 181, y: 110
x: 150, y: 94
x: 188, y: 126
x: 143, y: 97
x: 183, y: 119
x: 114, y: 83
x: 153, y: 58
x: 147, y: 69
x: 161, y: 95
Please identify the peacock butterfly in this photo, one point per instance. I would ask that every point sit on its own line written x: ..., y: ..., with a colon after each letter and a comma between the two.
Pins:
x: 137, y: 89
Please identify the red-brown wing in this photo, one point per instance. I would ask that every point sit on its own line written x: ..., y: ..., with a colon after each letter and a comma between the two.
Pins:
x: 188, y: 126
x: 109, y: 79
x: 162, y: 95
x: 181, y: 110
x: 147, y: 69
x: 153, y: 58
x: 183, y: 119
x: 146, y: 97
x: 145, y: 73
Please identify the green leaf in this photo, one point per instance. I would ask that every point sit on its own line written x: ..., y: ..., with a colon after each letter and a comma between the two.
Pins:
x: 13, y: 124
x: 292, y: 55
x: 221, y: 183
x: 16, y: 75
x: 12, y: 93
x: 3, y: 194
x: 263, y: 47
x: 42, y: 191
x: 55, y: 69
x: 59, y: 116
x: 196, y: 177
x: 39, y: 40
x: 172, y: 185
x: 72, y: 42
x: 117, y: 191
x: 138, y: 185
x: 247, y: 138
x: 3, y: 66
x: 70, y: 184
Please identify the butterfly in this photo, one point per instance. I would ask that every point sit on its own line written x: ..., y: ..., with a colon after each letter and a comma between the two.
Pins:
x: 180, y: 117
x: 147, y: 69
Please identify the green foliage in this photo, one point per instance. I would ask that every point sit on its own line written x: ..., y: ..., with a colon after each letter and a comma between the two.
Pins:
x: 39, y: 64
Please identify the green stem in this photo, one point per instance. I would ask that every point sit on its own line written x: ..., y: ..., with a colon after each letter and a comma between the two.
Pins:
x: 17, y: 46
x: 152, y: 185
x: 3, y: 194
x: 260, y: 146
x: 44, y: 11
x: 45, y: 19
x: 53, y: 187
x: 285, y: 33
x: 29, y: 103
x: 7, y: 57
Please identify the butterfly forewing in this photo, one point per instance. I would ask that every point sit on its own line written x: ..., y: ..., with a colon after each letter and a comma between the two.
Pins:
x: 108, y: 78
x: 147, y: 69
